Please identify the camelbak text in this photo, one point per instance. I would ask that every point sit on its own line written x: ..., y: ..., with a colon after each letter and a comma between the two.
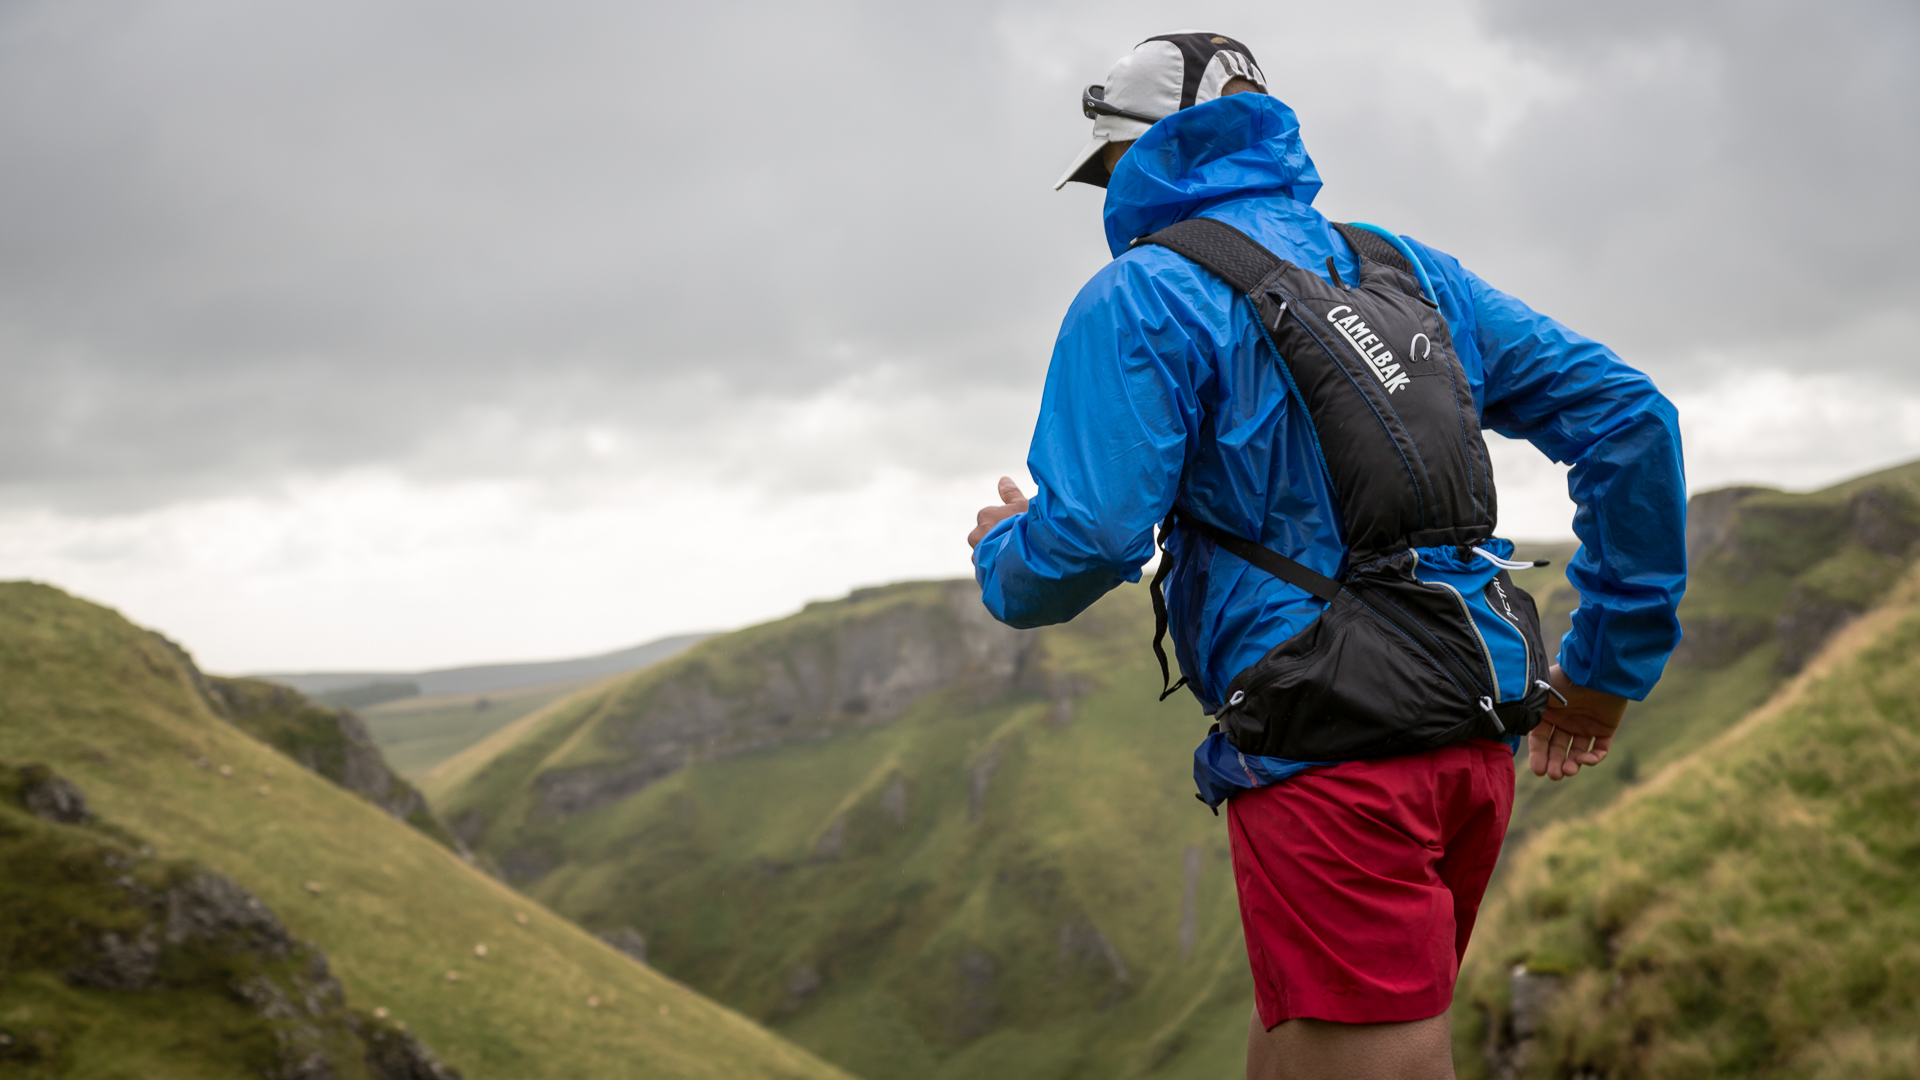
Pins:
x: 1369, y: 346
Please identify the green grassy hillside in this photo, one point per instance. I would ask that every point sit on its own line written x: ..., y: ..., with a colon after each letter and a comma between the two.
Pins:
x: 1771, y: 576
x: 402, y: 919
x: 998, y: 870
x: 1753, y: 911
x: 331, y: 741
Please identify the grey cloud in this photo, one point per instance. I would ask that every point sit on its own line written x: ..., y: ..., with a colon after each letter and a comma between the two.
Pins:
x: 244, y: 242
x: 1730, y: 173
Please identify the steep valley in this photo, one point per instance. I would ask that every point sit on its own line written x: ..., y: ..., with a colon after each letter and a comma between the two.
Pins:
x: 925, y: 845
x: 918, y: 843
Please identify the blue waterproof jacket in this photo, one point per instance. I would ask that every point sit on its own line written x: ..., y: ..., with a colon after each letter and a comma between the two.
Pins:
x: 1163, y: 389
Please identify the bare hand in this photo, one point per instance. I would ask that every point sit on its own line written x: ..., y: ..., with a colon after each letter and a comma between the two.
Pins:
x: 1575, y: 734
x: 1011, y: 503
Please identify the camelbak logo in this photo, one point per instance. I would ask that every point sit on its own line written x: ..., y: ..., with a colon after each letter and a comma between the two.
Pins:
x: 1370, y: 347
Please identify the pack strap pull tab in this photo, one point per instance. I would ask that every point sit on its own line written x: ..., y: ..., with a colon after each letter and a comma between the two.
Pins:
x: 1487, y: 704
x: 1548, y: 687
x: 1279, y: 311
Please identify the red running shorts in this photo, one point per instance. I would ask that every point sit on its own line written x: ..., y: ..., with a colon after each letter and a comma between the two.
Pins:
x: 1359, y: 882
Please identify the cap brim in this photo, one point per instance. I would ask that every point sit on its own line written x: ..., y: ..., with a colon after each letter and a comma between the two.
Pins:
x: 1087, y: 168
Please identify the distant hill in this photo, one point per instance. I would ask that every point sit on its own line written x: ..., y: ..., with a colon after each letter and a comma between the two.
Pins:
x: 496, y: 984
x: 418, y: 733
x: 421, y: 718
x: 483, y: 678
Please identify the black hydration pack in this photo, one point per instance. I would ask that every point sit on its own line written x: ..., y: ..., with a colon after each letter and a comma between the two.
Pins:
x: 1400, y: 660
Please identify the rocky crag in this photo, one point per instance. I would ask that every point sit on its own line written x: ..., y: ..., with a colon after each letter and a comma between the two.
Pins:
x: 114, y: 957
x: 832, y: 669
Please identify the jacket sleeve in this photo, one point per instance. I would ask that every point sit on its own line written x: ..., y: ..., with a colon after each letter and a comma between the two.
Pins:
x: 1116, y: 421
x: 1583, y: 406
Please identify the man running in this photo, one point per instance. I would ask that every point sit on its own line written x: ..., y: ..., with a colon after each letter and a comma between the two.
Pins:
x: 1167, y: 400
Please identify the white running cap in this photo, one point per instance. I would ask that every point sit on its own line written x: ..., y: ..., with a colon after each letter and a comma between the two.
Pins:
x: 1161, y: 76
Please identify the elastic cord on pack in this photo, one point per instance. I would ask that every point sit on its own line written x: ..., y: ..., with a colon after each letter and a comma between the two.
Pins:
x: 1510, y: 564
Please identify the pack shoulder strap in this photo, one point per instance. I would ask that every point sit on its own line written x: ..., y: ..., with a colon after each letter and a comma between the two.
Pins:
x: 1372, y: 246
x: 1232, y: 255
x: 1243, y: 263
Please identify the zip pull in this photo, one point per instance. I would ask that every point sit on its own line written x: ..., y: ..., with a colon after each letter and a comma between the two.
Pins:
x: 1280, y: 314
x: 1334, y: 273
x: 1548, y: 687
x: 1487, y: 704
x: 1509, y: 564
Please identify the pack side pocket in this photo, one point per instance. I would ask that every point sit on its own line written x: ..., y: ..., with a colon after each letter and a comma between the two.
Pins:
x: 1352, y: 685
x: 1511, y: 650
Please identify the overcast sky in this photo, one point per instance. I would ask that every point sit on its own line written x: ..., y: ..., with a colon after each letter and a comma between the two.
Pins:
x: 395, y: 334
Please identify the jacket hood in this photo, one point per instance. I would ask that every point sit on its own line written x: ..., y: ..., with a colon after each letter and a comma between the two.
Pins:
x: 1246, y: 144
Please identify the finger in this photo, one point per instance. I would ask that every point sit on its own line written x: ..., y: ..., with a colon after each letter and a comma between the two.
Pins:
x: 1576, y: 754
x: 1596, y: 751
x: 1010, y: 492
x: 1537, y: 749
x: 1558, y: 745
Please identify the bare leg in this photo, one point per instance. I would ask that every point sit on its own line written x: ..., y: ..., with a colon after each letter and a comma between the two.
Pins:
x: 1323, y: 1050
